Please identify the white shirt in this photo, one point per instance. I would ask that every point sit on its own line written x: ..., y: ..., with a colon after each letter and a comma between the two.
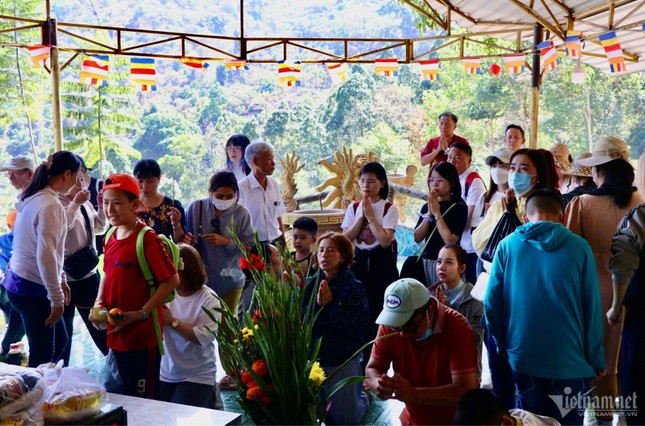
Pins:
x: 477, y: 188
x: 186, y: 361
x: 264, y: 205
x: 481, y: 204
x: 77, y: 237
x: 39, y: 242
x: 238, y: 171
x: 365, y: 239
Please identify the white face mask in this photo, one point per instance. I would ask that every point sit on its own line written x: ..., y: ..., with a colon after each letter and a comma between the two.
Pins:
x: 223, y: 204
x: 499, y: 175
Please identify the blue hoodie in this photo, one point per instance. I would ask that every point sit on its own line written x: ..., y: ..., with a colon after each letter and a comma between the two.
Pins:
x: 543, y: 303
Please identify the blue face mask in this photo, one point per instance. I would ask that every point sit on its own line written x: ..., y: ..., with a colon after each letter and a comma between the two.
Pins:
x: 428, y: 331
x: 520, y: 182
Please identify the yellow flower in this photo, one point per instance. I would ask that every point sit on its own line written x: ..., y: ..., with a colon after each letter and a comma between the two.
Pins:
x: 257, y: 327
x: 247, y: 334
x: 317, y: 375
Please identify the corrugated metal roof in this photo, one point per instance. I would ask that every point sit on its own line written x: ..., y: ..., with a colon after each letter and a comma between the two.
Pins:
x: 590, y: 16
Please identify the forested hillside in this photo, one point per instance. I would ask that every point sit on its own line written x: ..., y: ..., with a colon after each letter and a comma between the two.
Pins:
x: 185, y: 123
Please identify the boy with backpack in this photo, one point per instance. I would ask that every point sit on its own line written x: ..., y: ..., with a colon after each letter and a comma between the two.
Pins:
x: 134, y: 302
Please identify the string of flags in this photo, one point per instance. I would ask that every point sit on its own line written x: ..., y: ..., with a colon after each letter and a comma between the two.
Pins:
x: 143, y: 77
x: 472, y: 65
x: 613, y: 51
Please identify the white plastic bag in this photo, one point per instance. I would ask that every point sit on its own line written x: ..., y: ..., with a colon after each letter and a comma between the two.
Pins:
x: 20, y: 396
x: 73, y: 396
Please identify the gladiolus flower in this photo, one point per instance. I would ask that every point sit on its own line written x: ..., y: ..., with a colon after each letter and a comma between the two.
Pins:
x: 245, y: 264
x: 247, y: 334
x: 257, y: 315
x: 253, y: 393
x: 265, y: 400
x: 260, y: 368
x: 251, y: 384
x: 257, y: 262
x: 247, y: 378
x: 317, y: 375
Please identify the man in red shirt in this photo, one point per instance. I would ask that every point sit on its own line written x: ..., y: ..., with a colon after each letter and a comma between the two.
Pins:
x: 432, y: 351
x: 437, y: 148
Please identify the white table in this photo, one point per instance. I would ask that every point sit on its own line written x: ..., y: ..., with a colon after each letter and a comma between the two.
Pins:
x: 147, y: 412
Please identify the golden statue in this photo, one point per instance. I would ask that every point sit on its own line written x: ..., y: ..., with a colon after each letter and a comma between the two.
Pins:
x: 291, y: 166
x: 346, y: 168
x: 407, y: 180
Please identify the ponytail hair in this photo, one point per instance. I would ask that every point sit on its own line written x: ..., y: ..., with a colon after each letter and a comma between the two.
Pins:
x: 57, y: 164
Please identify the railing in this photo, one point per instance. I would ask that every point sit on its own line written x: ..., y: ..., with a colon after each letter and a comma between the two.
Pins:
x: 394, y: 187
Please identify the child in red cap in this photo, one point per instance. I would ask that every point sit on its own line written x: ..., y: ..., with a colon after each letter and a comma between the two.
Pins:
x: 132, y: 338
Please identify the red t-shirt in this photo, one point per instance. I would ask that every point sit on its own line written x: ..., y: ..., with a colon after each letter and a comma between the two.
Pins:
x: 126, y: 288
x: 434, y: 144
x: 431, y: 362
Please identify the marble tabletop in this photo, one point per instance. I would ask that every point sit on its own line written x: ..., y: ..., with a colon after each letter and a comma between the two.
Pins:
x: 146, y: 412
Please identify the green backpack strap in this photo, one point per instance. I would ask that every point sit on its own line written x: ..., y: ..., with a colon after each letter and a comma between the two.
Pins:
x: 147, y: 274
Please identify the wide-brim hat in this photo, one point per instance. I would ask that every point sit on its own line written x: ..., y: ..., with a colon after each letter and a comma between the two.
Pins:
x: 402, y: 298
x: 561, y: 156
x: 502, y: 154
x: 606, y: 149
x: 579, y: 170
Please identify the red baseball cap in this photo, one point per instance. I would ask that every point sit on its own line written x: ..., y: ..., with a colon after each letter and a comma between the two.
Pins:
x: 124, y: 182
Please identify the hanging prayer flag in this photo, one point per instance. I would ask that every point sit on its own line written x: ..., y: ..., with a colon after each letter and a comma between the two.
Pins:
x: 430, y: 69
x: 195, y: 63
x: 39, y: 54
x: 572, y: 42
x: 142, y: 74
x: 386, y: 67
x: 95, y: 70
x: 472, y: 65
x: 236, y: 65
x: 338, y: 72
x: 515, y: 64
x: 288, y: 74
x: 549, y: 55
x: 613, y: 51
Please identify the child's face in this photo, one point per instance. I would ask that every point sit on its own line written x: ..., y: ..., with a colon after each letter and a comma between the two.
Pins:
x: 275, y: 259
x: 302, y: 240
x: 118, y: 209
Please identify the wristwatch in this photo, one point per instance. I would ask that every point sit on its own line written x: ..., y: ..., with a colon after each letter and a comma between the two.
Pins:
x: 175, y: 323
x: 145, y: 314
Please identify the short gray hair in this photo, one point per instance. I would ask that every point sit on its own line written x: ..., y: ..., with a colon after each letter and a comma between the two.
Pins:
x: 256, y: 149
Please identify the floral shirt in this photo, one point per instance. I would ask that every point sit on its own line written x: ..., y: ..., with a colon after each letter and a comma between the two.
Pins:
x: 158, y: 217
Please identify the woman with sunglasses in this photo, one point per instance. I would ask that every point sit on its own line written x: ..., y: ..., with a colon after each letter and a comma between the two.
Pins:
x: 442, y: 219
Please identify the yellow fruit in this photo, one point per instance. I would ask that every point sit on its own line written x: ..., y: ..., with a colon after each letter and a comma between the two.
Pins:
x: 99, y: 313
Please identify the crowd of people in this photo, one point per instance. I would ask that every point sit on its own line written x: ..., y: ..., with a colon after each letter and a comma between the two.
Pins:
x: 526, y: 265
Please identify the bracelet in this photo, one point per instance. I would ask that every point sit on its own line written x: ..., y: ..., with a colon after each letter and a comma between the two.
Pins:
x: 145, y: 314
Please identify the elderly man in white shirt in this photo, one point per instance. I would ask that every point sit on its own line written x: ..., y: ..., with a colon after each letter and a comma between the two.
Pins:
x: 260, y: 194
x: 472, y: 187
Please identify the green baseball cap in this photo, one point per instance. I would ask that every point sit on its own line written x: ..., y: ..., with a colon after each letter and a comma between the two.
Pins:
x: 402, y: 298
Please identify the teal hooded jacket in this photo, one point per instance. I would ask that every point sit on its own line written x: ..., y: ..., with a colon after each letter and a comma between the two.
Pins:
x: 543, y: 305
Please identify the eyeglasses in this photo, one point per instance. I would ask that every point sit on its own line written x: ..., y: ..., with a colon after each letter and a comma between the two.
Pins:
x: 216, y: 223
x: 368, y: 181
x: 234, y: 149
x: 437, y: 180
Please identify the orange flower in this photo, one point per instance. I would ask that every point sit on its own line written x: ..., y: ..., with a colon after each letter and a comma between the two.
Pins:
x: 254, y: 393
x: 260, y: 368
x: 251, y: 384
x: 246, y: 377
